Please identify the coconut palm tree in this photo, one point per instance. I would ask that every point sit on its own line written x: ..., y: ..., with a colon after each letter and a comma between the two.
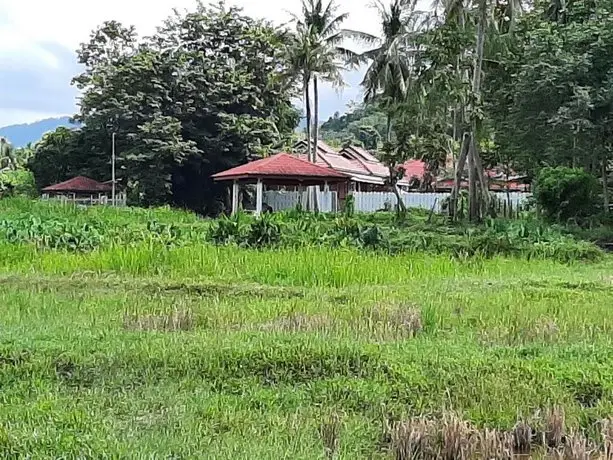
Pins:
x: 328, y: 56
x: 390, y: 70
x: 301, y: 59
x: 390, y: 74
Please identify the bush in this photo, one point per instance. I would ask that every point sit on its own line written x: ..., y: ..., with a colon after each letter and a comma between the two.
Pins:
x: 264, y: 231
x: 228, y: 230
x: 17, y: 183
x: 566, y: 193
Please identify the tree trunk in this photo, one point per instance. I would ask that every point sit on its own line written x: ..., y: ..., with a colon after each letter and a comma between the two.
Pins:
x: 394, y: 183
x: 307, y: 102
x: 457, y: 183
x: 388, y: 129
x: 315, y: 188
x: 315, y: 117
x: 474, y: 161
x: 473, y: 205
x: 310, y: 205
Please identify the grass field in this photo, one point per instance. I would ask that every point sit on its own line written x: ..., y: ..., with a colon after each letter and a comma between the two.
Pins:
x: 198, y: 351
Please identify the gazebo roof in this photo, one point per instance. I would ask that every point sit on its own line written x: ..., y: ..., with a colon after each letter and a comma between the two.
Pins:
x: 282, y: 166
x: 79, y: 184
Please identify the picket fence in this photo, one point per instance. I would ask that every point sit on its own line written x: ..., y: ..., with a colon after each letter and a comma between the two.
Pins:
x: 375, y: 201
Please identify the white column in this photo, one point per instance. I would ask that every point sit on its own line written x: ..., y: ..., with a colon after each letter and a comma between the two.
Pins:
x: 326, y: 186
x: 259, y: 197
x: 235, y: 191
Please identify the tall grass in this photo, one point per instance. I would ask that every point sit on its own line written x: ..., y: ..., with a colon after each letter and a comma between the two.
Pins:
x: 202, y: 350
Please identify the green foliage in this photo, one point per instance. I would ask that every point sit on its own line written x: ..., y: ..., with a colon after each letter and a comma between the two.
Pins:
x: 208, y: 91
x: 54, y: 234
x: 564, y: 193
x: 363, y: 125
x: 264, y: 232
x: 17, y: 183
x: 227, y: 230
x: 549, y: 97
x: 72, y: 229
x: 349, y: 205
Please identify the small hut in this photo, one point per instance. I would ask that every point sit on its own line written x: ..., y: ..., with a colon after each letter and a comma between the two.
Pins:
x: 83, y: 190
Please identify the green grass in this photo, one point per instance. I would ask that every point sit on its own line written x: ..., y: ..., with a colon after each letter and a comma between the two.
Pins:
x: 280, y: 340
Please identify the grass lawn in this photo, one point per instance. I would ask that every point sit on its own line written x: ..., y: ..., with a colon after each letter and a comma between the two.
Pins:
x: 220, y: 352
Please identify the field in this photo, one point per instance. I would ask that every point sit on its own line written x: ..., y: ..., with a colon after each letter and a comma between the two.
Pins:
x: 157, y: 350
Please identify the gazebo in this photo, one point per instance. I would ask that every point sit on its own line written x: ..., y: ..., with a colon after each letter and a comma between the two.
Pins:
x: 281, y: 169
x: 83, y: 190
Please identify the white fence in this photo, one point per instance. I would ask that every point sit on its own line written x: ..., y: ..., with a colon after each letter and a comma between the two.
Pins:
x: 375, y: 201
x: 278, y: 201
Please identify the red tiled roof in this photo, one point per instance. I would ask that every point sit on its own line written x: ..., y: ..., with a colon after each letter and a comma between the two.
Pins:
x: 359, y: 154
x: 79, y: 184
x: 414, y: 168
x: 280, y: 165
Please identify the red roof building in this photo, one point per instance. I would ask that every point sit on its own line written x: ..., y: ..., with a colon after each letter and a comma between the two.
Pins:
x: 364, y: 169
x: 284, y: 168
x: 79, y: 185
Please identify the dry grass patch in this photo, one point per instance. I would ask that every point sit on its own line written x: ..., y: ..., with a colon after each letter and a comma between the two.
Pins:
x: 330, y: 433
x: 414, y: 439
x: 298, y: 322
x: 555, y: 423
x: 496, y: 444
x: 452, y: 438
x: 607, y: 438
x: 395, y: 321
x: 177, y: 320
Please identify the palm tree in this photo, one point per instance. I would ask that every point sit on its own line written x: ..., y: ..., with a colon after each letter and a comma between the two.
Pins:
x: 302, y: 59
x: 328, y: 56
x: 390, y: 74
x: 390, y: 69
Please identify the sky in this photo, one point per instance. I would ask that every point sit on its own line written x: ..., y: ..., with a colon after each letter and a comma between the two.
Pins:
x: 38, y: 39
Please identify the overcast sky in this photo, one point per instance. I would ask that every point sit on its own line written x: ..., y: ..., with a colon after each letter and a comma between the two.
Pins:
x: 38, y: 39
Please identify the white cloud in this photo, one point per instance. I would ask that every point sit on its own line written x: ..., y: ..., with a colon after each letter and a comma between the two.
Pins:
x: 28, y: 27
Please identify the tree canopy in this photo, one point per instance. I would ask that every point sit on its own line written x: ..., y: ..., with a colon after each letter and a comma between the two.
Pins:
x: 210, y: 90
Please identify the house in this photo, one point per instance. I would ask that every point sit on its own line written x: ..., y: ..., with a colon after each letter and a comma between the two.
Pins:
x: 367, y: 173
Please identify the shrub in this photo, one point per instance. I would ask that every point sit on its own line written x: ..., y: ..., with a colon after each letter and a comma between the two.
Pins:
x: 564, y: 193
x: 17, y: 183
x: 264, y: 231
x: 229, y: 229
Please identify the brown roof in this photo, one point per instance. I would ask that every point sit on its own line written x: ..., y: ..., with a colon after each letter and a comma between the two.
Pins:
x: 281, y: 165
x: 79, y: 184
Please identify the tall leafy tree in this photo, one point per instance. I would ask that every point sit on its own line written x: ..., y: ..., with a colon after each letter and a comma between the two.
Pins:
x: 558, y: 107
x: 208, y: 91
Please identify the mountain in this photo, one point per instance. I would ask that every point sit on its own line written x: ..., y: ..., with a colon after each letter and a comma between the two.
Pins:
x: 20, y: 135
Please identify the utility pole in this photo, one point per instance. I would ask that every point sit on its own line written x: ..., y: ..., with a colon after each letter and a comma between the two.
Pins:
x: 113, y: 169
